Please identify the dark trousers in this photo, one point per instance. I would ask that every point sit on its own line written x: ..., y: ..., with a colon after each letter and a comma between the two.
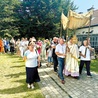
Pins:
x: 5, y: 49
x: 87, y: 63
x: 12, y: 49
x: 55, y: 62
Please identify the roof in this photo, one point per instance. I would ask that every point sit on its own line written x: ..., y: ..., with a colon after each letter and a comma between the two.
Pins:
x: 94, y: 20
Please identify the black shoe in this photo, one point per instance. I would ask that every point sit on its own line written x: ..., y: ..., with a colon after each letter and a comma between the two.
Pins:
x: 80, y: 73
x: 62, y: 81
x: 58, y: 76
x: 55, y: 70
x: 89, y: 76
x: 77, y: 78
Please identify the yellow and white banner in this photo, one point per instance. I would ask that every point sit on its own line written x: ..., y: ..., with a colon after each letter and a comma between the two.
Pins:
x: 78, y: 20
x: 75, y: 20
x: 64, y: 21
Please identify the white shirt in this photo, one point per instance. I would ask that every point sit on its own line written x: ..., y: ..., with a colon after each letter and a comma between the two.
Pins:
x: 22, y: 43
x: 82, y: 50
x: 61, y: 49
x: 53, y: 44
x: 31, y: 58
x: 49, y: 51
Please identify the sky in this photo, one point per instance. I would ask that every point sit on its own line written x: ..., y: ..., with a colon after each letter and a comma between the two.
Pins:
x: 85, y: 4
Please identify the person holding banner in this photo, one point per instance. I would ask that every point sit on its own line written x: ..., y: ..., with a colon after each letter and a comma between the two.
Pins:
x: 85, y: 57
x: 71, y: 63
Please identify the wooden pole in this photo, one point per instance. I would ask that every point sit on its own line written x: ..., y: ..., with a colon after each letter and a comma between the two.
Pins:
x: 89, y: 28
x: 88, y: 36
x: 67, y: 27
x: 67, y: 35
x: 90, y: 23
x: 61, y: 30
x: 74, y: 31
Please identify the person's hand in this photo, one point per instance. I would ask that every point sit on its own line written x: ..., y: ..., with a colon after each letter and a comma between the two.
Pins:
x: 66, y: 44
x: 38, y: 64
x: 86, y: 46
x: 84, y: 56
x: 64, y: 54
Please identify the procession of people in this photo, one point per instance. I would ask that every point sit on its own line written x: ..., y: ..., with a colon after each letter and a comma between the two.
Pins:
x: 62, y: 55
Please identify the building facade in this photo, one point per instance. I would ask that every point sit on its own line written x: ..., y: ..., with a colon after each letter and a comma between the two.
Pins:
x: 82, y: 33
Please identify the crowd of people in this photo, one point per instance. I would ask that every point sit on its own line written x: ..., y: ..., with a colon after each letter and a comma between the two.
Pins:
x: 63, y: 55
x: 7, y: 45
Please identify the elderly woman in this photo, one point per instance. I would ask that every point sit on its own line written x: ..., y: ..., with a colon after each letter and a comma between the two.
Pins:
x: 32, y: 59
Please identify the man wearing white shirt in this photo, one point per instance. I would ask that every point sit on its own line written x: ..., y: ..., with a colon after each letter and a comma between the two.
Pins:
x: 61, y: 53
x: 85, y: 57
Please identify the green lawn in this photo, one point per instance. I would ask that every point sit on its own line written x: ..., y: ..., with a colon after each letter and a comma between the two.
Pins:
x: 94, y: 65
x: 12, y: 79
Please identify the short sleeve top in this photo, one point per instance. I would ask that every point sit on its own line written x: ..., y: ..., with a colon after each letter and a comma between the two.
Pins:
x: 31, y: 58
x: 61, y: 49
x: 82, y: 49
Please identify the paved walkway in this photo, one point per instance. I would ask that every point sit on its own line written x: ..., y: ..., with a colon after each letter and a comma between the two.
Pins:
x: 52, y: 87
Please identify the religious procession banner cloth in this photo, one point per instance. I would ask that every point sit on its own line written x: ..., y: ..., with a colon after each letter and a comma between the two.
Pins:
x: 64, y: 21
x: 75, y: 20
x: 78, y: 20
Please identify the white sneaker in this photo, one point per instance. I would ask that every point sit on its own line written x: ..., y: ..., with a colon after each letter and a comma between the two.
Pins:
x: 32, y: 86
x: 29, y: 86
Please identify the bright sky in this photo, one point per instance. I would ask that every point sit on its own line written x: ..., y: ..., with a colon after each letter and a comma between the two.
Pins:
x: 85, y: 4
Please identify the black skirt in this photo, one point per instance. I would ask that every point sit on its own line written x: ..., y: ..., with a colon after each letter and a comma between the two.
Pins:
x: 32, y: 75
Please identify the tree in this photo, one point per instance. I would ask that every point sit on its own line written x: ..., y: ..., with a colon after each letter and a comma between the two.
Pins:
x: 41, y: 18
x: 27, y: 18
x: 7, y: 19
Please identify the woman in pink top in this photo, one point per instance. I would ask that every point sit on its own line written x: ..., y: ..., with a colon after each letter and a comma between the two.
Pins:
x: 39, y: 45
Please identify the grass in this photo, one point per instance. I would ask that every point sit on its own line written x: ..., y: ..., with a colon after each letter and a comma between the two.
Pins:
x: 94, y: 65
x: 12, y: 79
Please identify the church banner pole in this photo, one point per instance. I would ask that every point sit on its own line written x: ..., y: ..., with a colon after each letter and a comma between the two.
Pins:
x: 89, y: 24
x: 61, y: 30
x: 89, y: 27
x: 67, y: 26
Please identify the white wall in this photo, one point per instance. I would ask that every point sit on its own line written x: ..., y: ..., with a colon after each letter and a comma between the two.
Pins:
x: 95, y: 30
